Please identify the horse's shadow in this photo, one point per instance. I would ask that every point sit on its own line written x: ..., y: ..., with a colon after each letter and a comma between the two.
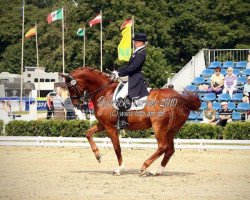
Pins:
x: 131, y: 172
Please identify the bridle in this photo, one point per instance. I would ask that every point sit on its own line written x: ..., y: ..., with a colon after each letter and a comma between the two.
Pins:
x: 82, y: 95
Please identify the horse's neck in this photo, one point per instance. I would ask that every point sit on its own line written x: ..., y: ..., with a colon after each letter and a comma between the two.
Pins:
x: 95, y: 85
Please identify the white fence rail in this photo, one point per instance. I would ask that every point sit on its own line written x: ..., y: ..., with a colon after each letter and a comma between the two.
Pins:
x: 200, y: 144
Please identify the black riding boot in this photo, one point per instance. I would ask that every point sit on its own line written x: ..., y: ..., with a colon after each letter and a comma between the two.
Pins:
x: 122, y: 121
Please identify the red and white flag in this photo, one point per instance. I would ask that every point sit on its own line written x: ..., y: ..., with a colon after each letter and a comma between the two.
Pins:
x: 96, y: 20
x: 127, y: 22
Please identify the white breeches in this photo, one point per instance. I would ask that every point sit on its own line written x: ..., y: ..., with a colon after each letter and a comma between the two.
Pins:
x: 124, y: 92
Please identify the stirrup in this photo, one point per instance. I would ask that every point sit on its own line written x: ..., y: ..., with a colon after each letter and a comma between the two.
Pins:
x: 122, y: 125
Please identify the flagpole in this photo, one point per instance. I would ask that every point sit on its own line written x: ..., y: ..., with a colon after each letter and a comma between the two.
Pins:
x: 37, y: 61
x: 63, y: 39
x: 21, y: 92
x: 133, y: 31
x: 101, y: 39
x: 84, y: 47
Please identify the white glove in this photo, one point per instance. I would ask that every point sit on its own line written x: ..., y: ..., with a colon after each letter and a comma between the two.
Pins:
x: 114, y: 75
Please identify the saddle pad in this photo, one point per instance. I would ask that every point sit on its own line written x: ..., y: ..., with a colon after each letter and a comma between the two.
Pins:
x: 137, y: 104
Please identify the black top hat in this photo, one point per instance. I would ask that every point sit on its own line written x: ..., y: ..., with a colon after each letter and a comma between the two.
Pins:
x: 140, y: 37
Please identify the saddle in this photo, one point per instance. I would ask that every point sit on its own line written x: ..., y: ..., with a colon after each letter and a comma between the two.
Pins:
x: 130, y: 104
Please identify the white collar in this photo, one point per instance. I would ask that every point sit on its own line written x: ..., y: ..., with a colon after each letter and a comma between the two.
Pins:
x: 137, y: 49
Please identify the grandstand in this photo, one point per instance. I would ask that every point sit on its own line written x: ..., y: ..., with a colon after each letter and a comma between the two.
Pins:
x: 198, y: 72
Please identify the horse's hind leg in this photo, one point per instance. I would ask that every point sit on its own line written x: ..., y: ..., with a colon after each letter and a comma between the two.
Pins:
x: 90, y: 132
x: 170, y: 150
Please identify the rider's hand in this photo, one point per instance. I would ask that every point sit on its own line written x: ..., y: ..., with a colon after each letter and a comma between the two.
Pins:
x: 114, y: 75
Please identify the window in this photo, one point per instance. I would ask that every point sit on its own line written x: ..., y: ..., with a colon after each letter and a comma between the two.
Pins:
x: 29, y: 75
x: 47, y: 80
x: 36, y: 80
x: 41, y: 79
x: 53, y: 80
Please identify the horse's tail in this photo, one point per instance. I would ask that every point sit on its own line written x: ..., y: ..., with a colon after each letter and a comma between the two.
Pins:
x: 192, y: 101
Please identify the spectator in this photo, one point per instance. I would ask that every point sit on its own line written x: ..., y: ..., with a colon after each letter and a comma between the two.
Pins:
x: 217, y: 81
x: 91, y: 107
x: 58, y: 105
x: 85, y: 108
x: 230, y: 82
x: 49, y: 106
x: 224, y: 115
x: 246, y: 91
x: 209, y: 114
x: 70, y: 109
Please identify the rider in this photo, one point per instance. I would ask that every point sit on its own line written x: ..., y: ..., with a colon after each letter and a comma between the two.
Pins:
x: 136, y: 87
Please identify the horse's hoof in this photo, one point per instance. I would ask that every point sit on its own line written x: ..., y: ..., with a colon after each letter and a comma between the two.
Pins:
x: 99, y: 158
x: 116, y: 173
x: 144, y: 172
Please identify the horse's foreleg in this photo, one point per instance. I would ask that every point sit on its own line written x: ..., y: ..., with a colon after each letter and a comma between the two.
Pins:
x: 90, y: 132
x: 113, y: 134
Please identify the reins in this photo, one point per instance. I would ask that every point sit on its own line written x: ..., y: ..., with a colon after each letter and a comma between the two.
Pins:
x: 86, y: 96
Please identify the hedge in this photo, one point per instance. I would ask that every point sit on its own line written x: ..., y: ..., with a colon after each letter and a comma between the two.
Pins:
x: 200, y: 131
x: 78, y: 128
x: 1, y: 127
x: 237, y: 131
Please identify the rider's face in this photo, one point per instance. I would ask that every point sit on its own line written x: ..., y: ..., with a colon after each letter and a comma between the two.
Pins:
x: 138, y: 44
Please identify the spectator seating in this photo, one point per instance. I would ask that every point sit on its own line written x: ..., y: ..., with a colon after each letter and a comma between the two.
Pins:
x: 191, y: 88
x: 236, y: 116
x: 224, y: 72
x: 241, y: 80
x: 231, y: 106
x: 236, y: 72
x: 207, y: 73
x: 224, y: 97
x: 193, y: 116
x: 216, y: 105
x: 237, y: 97
x: 227, y: 64
x: 203, y: 106
x: 234, y: 103
x: 246, y: 72
x: 209, y: 97
x: 243, y: 107
x: 241, y: 65
x: 214, y: 64
x: 198, y: 80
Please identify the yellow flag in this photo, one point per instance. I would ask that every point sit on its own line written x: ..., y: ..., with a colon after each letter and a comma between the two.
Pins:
x: 31, y: 32
x: 124, y: 48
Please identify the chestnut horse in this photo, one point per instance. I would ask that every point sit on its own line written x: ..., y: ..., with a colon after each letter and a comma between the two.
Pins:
x: 166, y: 112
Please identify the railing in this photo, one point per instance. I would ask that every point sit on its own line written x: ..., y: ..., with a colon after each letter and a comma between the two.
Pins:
x: 138, y: 143
x: 192, y: 69
x: 222, y: 55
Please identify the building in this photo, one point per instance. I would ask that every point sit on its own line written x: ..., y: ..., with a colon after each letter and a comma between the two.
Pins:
x: 33, y: 79
x: 44, y: 81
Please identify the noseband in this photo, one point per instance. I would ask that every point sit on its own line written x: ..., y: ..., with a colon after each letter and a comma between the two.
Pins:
x: 82, y: 95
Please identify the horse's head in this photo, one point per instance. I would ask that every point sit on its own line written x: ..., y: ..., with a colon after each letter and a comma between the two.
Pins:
x: 84, y: 83
x: 76, y: 88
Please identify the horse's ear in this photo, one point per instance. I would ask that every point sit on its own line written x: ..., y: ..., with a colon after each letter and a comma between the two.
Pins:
x: 63, y: 75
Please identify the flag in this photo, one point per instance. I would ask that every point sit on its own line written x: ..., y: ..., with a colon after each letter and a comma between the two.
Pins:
x: 124, y: 48
x: 80, y: 32
x: 127, y: 22
x: 31, y: 32
x: 96, y: 20
x: 58, y: 14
